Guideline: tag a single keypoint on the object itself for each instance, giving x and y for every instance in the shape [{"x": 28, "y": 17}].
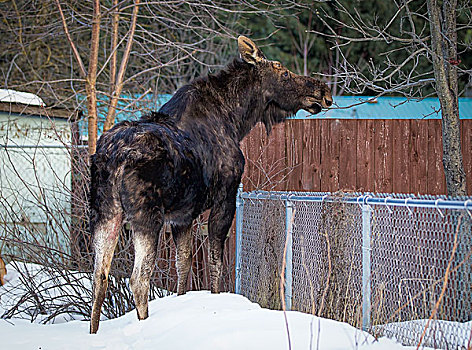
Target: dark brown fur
[{"x": 172, "y": 165}]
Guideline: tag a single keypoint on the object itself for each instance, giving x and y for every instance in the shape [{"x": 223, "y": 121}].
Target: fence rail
[{"x": 395, "y": 265}]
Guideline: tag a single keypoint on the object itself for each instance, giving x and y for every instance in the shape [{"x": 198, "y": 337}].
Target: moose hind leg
[
  {"x": 105, "y": 238},
  {"x": 145, "y": 250},
  {"x": 183, "y": 242},
  {"x": 216, "y": 262},
  {"x": 220, "y": 220}
]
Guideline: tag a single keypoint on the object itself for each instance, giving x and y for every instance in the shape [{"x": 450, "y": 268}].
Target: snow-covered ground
[{"x": 197, "y": 320}]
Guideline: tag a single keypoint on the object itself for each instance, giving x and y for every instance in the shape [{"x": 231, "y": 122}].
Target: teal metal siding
[
  {"x": 366, "y": 107},
  {"x": 346, "y": 107}
]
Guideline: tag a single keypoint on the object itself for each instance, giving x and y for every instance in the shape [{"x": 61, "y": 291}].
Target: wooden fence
[{"x": 374, "y": 155}]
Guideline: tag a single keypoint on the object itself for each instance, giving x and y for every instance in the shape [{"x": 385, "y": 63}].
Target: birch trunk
[{"x": 444, "y": 53}]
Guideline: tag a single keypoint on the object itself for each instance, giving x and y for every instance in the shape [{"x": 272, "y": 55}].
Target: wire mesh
[
  {"x": 264, "y": 235},
  {"x": 327, "y": 259},
  {"x": 420, "y": 265},
  {"x": 413, "y": 251}
]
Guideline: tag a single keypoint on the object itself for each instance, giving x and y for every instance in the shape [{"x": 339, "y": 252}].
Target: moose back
[{"x": 173, "y": 164}]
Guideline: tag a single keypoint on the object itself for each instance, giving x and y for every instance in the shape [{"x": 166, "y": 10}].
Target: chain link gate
[{"x": 394, "y": 265}]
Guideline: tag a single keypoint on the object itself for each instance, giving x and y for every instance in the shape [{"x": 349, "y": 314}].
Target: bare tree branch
[{"x": 69, "y": 39}]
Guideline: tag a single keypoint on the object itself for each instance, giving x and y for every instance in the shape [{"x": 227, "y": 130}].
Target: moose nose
[{"x": 327, "y": 101}]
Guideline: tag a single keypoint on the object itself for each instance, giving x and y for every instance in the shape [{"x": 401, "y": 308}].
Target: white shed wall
[{"x": 35, "y": 180}]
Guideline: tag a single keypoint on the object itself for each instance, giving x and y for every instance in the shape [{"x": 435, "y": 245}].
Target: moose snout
[{"x": 327, "y": 101}]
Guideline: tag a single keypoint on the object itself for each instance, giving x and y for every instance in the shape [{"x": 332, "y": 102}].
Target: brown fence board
[
  {"x": 329, "y": 155},
  {"x": 274, "y": 160},
  {"x": 264, "y": 160},
  {"x": 436, "y": 177},
  {"x": 311, "y": 175},
  {"x": 418, "y": 156},
  {"x": 383, "y": 156},
  {"x": 294, "y": 146},
  {"x": 248, "y": 167},
  {"x": 401, "y": 147},
  {"x": 253, "y": 155},
  {"x": 347, "y": 155},
  {"x": 365, "y": 155}
]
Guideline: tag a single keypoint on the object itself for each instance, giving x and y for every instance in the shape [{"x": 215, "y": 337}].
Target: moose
[{"x": 172, "y": 165}]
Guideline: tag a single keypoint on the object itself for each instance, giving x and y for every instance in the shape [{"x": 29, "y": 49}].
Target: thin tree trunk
[
  {"x": 90, "y": 76},
  {"x": 114, "y": 44},
  {"x": 91, "y": 81},
  {"x": 444, "y": 53},
  {"x": 110, "y": 118}
]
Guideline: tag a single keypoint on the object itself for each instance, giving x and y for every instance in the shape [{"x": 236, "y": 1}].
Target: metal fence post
[
  {"x": 289, "y": 209},
  {"x": 239, "y": 231},
  {"x": 366, "y": 265}
]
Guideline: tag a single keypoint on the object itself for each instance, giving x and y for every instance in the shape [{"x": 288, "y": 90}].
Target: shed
[{"x": 35, "y": 174}]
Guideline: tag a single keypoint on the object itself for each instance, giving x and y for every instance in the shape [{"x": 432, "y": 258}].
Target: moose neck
[
  {"x": 231, "y": 101},
  {"x": 245, "y": 101}
]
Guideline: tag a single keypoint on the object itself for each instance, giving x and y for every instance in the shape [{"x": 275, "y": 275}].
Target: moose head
[{"x": 284, "y": 89}]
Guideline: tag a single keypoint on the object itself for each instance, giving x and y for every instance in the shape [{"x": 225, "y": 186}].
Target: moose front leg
[
  {"x": 183, "y": 241},
  {"x": 219, "y": 223}
]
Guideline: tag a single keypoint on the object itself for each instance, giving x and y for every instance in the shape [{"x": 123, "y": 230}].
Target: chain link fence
[{"x": 395, "y": 265}]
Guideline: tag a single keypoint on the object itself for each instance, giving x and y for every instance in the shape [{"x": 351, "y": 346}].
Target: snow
[
  {"x": 25, "y": 278},
  {"x": 26, "y": 98},
  {"x": 440, "y": 334},
  {"x": 196, "y": 320}
]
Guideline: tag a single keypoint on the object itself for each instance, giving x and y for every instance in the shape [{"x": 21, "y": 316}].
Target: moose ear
[{"x": 249, "y": 51}]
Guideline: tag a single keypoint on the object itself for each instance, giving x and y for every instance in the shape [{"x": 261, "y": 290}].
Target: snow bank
[
  {"x": 440, "y": 334},
  {"x": 26, "y": 98},
  {"x": 197, "y": 320}
]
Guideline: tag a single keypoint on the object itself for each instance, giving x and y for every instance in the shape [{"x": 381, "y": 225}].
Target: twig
[
  {"x": 282, "y": 282},
  {"x": 72, "y": 45},
  {"x": 110, "y": 118},
  {"x": 469, "y": 343},
  {"x": 325, "y": 291}
]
